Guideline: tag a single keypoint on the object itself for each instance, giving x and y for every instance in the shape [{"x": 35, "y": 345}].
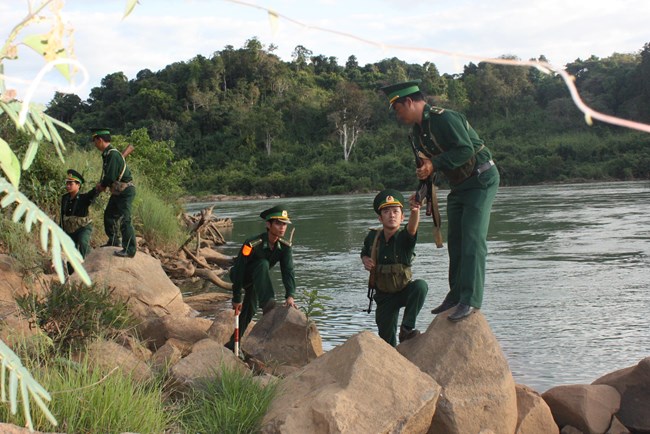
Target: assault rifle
[{"x": 427, "y": 191}]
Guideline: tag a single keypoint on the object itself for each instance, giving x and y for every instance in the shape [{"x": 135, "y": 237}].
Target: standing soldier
[
  {"x": 387, "y": 254},
  {"x": 74, "y": 213},
  {"x": 116, "y": 176},
  {"x": 251, "y": 269},
  {"x": 448, "y": 143}
]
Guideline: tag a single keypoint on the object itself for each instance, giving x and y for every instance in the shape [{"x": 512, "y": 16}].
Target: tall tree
[{"x": 349, "y": 114}]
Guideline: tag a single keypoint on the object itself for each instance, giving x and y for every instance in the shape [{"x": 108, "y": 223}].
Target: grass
[
  {"x": 88, "y": 401},
  {"x": 156, "y": 220},
  {"x": 233, "y": 403}
]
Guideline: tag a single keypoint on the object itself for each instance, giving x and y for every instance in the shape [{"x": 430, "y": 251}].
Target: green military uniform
[
  {"x": 391, "y": 297},
  {"x": 456, "y": 149},
  {"x": 116, "y": 176},
  {"x": 74, "y": 214},
  {"x": 251, "y": 271}
]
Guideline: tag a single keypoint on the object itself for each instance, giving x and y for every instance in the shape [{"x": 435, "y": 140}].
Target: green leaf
[
  {"x": 9, "y": 163},
  {"x": 32, "y": 149},
  {"x": 37, "y": 43}
]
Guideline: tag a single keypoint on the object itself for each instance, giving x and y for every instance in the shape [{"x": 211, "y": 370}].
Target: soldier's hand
[
  {"x": 424, "y": 171},
  {"x": 290, "y": 302},
  {"x": 414, "y": 204},
  {"x": 237, "y": 308},
  {"x": 368, "y": 263}
]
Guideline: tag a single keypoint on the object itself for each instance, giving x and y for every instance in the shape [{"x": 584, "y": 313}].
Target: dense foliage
[{"x": 252, "y": 123}]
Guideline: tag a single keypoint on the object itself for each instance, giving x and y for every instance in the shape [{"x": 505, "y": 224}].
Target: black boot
[
  {"x": 462, "y": 311},
  {"x": 447, "y": 304}
]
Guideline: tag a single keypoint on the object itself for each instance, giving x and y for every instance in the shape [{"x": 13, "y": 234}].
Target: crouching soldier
[
  {"x": 74, "y": 213},
  {"x": 387, "y": 254},
  {"x": 251, "y": 270}
]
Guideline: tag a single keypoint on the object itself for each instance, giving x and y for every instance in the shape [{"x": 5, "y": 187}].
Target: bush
[{"x": 70, "y": 314}]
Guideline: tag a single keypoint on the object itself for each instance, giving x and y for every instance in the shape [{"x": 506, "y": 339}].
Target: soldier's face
[
  {"x": 276, "y": 227},
  {"x": 391, "y": 217},
  {"x": 72, "y": 187},
  {"x": 404, "y": 111}
]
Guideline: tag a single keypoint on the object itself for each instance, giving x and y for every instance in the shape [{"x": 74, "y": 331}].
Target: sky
[{"x": 160, "y": 32}]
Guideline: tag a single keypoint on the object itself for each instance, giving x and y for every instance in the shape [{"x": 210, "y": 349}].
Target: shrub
[{"x": 71, "y": 313}]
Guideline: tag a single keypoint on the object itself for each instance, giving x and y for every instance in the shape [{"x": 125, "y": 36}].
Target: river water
[{"x": 566, "y": 294}]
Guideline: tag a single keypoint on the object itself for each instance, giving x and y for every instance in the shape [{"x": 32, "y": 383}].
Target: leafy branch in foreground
[
  {"x": 60, "y": 241},
  {"x": 20, "y": 378}
]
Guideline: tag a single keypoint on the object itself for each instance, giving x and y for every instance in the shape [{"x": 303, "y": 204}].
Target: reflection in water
[{"x": 566, "y": 288}]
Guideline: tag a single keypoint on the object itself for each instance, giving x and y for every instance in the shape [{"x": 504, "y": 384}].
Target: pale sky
[{"x": 162, "y": 32}]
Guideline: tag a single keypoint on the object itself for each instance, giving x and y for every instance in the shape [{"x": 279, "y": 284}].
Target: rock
[
  {"x": 140, "y": 281},
  {"x": 108, "y": 355},
  {"x": 157, "y": 331},
  {"x": 617, "y": 427},
  {"x": 284, "y": 336},
  {"x": 223, "y": 326},
  {"x": 204, "y": 363},
  {"x": 633, "y": 384},
  {"x": 587, "y": 407},
  {"x": 533, "y": 414},
  {"x": 12, "y": 284},
  {"x": 361, "y": 386},
  {"x": 466, "y": 360},
  {"x": 166, "y": 356}
]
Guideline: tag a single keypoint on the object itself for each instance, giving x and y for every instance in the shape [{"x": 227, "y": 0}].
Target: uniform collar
[{"x": 107, "y": 150}]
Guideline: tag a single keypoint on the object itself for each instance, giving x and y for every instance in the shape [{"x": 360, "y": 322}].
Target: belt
[{"x": 483, "y": 167}]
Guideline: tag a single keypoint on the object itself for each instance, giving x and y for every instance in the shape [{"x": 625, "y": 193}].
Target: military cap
[
  {"x": 276, "y": 213},
  {"x": 100, "y": 132},
  {"x": 73, "y": 175},
  {"x": 388, "y": 197},
  {"x": 399, "y": 90}
]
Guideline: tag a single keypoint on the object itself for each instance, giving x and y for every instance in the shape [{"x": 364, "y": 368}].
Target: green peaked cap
[
  {"x": 73, "y": 175},
  {"x": 388, "y": 197},
  {"x": 399, "y": 90},
  {"x": 100, "y": 132},
  {"x": 277, "y": 212}
]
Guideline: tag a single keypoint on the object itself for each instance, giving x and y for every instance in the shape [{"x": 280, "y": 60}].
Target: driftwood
[{"x": 202, "y": 261}]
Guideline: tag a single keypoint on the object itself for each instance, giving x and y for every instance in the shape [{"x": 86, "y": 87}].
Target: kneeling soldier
[
  {"x": 251, "y": 270},
  {"x": 74, "y": 213},
  {"x": 387, "y": 254}
]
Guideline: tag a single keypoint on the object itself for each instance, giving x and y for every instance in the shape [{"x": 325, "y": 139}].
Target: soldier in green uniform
[
  {"x": 387, "y": 254},
  {"x": 74, "y": 213},
  {"x": 251, "y": 269},
  {"x": 448, "y": 143},
  {"x": 116, "y": 177}
]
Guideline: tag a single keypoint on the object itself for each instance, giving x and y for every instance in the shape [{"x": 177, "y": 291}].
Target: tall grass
[
  {"x": 233, "y": 404},
  {"x": 156, "y": 220},
  {"x": 88, "y": 401}
]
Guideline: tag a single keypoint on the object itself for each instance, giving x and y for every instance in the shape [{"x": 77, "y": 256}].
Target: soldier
[
  {"x": 74, "y": 213},
  {"x": 251, "y": 269},
  {"x": 447, "y": 142},
  {"x": 116, "y": 176},
  {"x": 387, "y": 253}
]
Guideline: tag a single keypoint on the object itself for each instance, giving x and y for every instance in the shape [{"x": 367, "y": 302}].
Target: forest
[{"x": 247, "y": 122}]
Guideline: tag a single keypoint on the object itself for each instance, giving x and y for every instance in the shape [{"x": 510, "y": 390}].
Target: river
[{"x": 566, "y": 290}]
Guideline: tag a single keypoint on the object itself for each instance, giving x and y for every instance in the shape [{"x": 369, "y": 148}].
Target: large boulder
[
  {"x": 587, "y": 407},
  {"x": 466, "y": 360},
  {"x": 140, "y": 280},
  {"x": 633, "y": 384},
  {"x": 533, "y": 414},
  {"x": 361, "y": 386},
  {"x": 223, "y": 326},
  {"x": 284, "y": 336}
]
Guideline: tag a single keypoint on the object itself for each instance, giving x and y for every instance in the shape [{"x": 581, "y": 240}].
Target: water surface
[{"x": 566, "y": 288}]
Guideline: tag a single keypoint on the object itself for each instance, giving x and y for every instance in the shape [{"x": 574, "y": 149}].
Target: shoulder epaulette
[
  {"x": 437, "y": 110},
  {"x": 285, "y": 242},
  {"x": 247, "y": 248}
]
